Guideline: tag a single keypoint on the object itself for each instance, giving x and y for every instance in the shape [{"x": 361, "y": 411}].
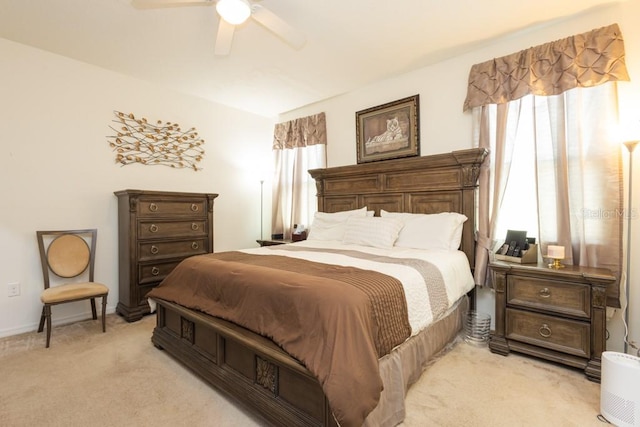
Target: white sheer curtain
[
  {"x": 299, "y": 145},
  {"x": 579, "y": 176},
  {"x": 490, "y": 132},
  {"x": 556, "y": 173}
]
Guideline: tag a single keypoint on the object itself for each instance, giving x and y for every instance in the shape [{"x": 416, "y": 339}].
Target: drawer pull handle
[
  {"x": 155, "y": 271},
  {"x": 194, "y": 245},
  {"x": 154, "y": 249},
  {"x": 194, "y": 207},
  {"x": 153, "y": 228},
  {"x": 545, "y": 293},
  {"x": 545, "y": 331},
  {"x": 153, "y": 207},
  {"x": 194, "y": 226}
]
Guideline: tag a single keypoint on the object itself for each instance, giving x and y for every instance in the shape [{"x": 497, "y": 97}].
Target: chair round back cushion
[{"x": 68, "y": 255}]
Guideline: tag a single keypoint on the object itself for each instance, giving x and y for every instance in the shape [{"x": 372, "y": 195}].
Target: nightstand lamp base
[{"x": 556, "y": 263}]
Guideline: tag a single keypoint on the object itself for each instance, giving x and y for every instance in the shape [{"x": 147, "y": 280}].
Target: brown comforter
[{"x": 336, "y": 320}]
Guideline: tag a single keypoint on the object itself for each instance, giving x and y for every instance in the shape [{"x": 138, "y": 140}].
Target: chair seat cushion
[{"x": 73, "y": 291}]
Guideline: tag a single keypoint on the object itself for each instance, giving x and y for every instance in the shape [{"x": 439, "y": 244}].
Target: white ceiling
[{"x": 350, "y": 43}]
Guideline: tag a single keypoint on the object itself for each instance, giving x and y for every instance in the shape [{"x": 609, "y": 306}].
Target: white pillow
[
  {"x": 331, "y": 226},
  {"x": 429, "y": 231},
  {"x": 372, "y": 231}
]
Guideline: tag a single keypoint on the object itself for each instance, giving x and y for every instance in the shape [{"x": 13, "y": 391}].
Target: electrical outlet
[{"x": 13, "y": 289}]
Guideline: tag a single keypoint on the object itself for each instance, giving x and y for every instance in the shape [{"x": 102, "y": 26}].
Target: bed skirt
[{"x": 404, "y": 365}]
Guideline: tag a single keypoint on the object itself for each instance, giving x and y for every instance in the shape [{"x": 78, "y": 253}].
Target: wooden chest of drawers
[
  {"x": 555, "y": 314},
  {"x": 157, "y": 230}
]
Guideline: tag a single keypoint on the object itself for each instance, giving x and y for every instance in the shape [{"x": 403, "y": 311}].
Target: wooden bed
[{"x": 256, "y": 372}]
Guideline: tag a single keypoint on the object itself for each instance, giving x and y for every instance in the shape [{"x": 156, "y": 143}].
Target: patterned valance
[
  {"x": 584, "y": 60},
  {"x": 301, "y": 132}
]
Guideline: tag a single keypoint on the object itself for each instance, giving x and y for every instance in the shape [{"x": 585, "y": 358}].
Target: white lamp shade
[{"x": 235, "y": 12}]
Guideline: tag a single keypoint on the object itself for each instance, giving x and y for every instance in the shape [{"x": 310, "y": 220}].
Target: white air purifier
[{"x": 620, "y": 389}]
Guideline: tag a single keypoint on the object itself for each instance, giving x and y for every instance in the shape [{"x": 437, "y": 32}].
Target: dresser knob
[
  {"x": 153, "y": 228},
  {"x": 194, "y": 207},
  {"x": 155, "y": 271},
  {"x": 154, "y": 249},
  {"x": 153, "y": 207},
  {"x": 194, "y": 245},
  {"x": 545, "y": 293},
  {"x": 194, "y": 226},
  {"x": 545, "y": 330}
]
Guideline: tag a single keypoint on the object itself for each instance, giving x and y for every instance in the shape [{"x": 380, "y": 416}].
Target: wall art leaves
[{"x": 160, "y": 143}]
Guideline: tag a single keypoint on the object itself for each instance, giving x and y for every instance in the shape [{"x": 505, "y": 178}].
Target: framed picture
[{"x": 388, "y": 131}]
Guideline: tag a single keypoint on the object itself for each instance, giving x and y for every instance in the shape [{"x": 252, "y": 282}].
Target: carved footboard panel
[{"x": 240, "y": 364}]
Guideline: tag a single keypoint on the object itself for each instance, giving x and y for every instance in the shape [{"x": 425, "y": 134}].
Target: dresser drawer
[
  {"x": 154, "y": 273},
  {"x": 163, "y": 229},
  {"x": 154, "y": 207},
  {"x": 571, "y": 299},
  {"x": 563, "y": 335},
  {"x": 172, "y": 249},
  {"x": 142, "y": 295}
]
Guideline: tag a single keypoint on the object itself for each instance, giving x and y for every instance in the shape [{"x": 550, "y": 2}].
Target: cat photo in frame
[{"x": 388, "y": 131}]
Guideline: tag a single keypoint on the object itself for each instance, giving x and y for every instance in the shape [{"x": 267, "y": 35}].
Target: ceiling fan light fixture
[{"x": 235, "y": 12}]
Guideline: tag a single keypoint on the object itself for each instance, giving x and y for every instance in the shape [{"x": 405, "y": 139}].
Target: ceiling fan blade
[
  {"x": 149, "y": 4},
  {"x": 224, "y": 38},
  {"x": 276, "y": 25}
]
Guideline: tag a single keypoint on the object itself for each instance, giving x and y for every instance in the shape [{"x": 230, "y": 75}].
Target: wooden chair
[{"x": 67, "y": 254}]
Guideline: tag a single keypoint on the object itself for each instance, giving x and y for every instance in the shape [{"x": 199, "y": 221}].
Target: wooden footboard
[{"x": 241, "y": 364}]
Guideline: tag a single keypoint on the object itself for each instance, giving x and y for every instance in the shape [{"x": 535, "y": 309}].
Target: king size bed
[{"x": 333, "y": 330}]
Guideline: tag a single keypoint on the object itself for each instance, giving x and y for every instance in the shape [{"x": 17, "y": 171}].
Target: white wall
[
  {"x": 444, "y": 127},
  {"x": 57, "y": 170}
]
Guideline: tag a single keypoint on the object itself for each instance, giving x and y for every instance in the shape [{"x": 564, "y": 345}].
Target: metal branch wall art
[{"x": 138, "y": 141}]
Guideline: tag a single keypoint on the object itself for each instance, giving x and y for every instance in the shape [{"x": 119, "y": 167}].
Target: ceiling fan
[{"x": 232, "y": 13}]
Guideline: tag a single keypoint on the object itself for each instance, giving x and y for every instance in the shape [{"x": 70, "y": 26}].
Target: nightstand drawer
[
  {"x": 571, "y": 299},
  {"x": 563, "y": 335}
]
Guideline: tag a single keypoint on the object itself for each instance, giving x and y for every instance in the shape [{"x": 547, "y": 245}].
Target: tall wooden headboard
[{"x": 426, "y": 184}]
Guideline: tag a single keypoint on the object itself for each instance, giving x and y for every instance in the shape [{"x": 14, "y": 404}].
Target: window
[
  {"x": 299, "y": 145},
  {"x": 559, "y": 168}
]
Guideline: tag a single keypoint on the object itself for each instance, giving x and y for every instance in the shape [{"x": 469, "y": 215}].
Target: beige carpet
[{"x": 119, "y": 378}]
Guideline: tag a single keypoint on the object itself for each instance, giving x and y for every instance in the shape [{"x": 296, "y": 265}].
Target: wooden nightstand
[
  {"x": 273, "y": 242},
  {"x": 555, "y": 314}
]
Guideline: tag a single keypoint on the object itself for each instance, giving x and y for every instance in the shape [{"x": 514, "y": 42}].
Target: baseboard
[{"x": 56, "y": 322}]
